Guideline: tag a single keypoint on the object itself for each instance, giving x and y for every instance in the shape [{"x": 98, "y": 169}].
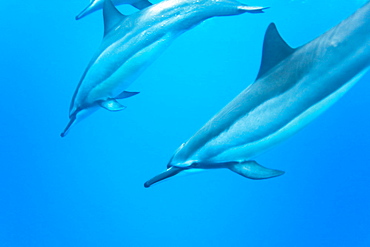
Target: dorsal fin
[
  {"x": 275, "y": 49},
  {"x": 111, "y": 16},
  {"x": 141, "y": 4}
]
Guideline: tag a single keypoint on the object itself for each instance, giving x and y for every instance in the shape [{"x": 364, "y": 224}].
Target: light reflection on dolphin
[
  {"x": 132, "y": 42},
  {"x": 292, "y": 88},
  {"x": 95, "y": 5}
]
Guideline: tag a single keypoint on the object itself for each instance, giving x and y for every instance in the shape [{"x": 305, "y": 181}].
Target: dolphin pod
[
  {"x": 292, "y": 88},
  {"x": 132, "y": 42}
]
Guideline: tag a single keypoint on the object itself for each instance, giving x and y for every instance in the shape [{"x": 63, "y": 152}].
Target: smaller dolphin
[
  {"x": 293, "y": 87},
  {"x": 131, "y": 43},
  {"x": 98, "y": 4}
]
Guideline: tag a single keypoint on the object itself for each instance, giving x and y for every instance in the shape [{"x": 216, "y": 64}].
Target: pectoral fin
[
  {"x": 253, "y": 170},
  {"x": 112, "y": 105},
  {"x": 126, "y": 94}
]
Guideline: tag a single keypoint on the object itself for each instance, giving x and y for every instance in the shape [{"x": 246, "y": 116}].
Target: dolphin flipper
[
  {"x": 112, "y": 105},
  {"x": 251, "y": 169},
  {"x": 126, "y": 94}
]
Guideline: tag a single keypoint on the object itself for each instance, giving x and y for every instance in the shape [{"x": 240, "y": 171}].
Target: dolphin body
[
  {"x": 292, "y": 88},
  {"x": 95, "y": 5},
  {"x": 132, "y": 42}
]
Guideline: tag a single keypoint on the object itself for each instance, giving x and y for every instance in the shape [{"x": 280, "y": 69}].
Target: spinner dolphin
[
  {"x": 132, "y": 42},
  {"x": 292, "y": 88}
]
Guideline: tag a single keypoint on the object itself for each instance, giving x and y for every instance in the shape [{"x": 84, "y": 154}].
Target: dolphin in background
[
  {"x": 292, "y": 88},
  {"x": 132, "y": 42},
  {"x": 95, "y": 5}
]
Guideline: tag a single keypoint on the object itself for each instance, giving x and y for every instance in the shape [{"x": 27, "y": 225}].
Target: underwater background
[{"x": 87, "y": 189}]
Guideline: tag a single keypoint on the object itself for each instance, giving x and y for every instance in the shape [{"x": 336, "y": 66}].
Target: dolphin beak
[
  {"x": 172, "y": 171},
  {"x": 70, "y": 123},
  {"x": 252, "y": 9},
  {"x": 88, "y": 10}
]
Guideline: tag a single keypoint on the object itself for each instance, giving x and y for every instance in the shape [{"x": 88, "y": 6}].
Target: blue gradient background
[{"x": 87, "y": 188}]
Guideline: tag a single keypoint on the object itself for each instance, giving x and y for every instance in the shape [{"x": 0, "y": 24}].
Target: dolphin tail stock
[
  {"x": 72, "y": 119},
  {"x": 251, "y": 169},
  {"x": 252, "y": 9},
  {"x": 172, "y": 171}
]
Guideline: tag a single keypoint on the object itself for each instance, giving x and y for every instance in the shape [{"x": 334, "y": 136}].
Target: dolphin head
[
  {"x": 76, "y": 115},
  {"x": 170, "y": 172},
  {"x": 176, "y": 167}
]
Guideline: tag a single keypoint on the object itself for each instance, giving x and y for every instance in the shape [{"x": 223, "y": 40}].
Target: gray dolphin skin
[
  {"x": 95, "y": 5},
  {"x": 292, "y": 88},
  {"x": 132, "y": 42}
]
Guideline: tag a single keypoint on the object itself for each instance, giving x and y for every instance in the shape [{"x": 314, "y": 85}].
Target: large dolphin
[
  {"x": 292, "y": 88},
  {"x": 132, "y": 42},
  {"x": 95, "y": 5}
]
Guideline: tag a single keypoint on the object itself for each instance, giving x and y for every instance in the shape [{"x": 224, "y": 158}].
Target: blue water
[{"x": 87, "y": 189}]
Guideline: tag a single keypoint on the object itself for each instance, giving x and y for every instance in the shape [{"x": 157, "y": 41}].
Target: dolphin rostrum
[
  {"x": 292, "y": 88},
  {"x": 132, "y": 42},
  {"x": 95, "y": 5}
]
